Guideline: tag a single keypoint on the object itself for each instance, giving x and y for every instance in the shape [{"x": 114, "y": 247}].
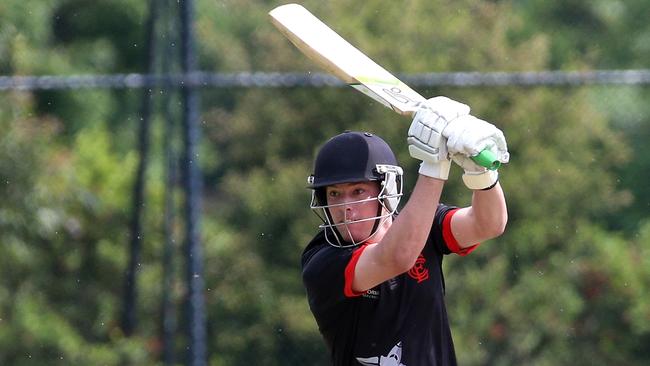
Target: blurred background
[{"x": 154, "y": 155}]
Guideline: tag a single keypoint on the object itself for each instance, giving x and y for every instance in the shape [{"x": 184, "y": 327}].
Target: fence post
[{"x": 192, "y": 186}]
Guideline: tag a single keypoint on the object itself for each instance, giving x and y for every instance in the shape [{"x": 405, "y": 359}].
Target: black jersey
[{"x": 402, "y": 321}]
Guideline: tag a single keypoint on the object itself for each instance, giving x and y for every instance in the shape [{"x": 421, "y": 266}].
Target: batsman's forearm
[
  {"x": 490, "y": 210},
  {"x": 408, "y": 234}
]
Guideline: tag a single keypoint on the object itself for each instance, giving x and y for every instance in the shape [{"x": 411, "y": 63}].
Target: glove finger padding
[
  {"x": 425, "y": 138},
  {"x": 426, "y": 143},
  {"x": 432, "y": 118},
  {"x": 469, "y": 136},
  {"x": 435, "y": 162},
  {"x": 446, "y": 108}
]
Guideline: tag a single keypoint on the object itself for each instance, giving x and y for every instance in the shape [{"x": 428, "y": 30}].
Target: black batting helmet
[{"x": 353, "y": 157}]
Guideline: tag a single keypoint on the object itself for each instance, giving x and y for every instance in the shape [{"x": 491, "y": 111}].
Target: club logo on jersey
[
  {"x": 419, "y": 272},
  {"x": 394, "y": 358}
]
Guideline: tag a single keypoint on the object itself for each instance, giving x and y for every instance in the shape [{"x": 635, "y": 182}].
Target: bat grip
[{"x": 487, "y": 159}]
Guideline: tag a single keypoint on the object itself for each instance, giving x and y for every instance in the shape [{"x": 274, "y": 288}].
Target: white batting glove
[
  {"x": 426, "y": 138},
  {"x": 467, "y": 136}
]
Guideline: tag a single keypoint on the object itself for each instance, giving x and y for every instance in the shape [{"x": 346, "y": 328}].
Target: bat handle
[{"x": 487, "y": 159}]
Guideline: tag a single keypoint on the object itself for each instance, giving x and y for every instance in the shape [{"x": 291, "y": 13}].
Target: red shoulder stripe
[{"x": 349, "y": 273}]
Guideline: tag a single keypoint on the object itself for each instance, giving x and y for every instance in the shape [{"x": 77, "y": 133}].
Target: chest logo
[{"x": 419, "y": 272}]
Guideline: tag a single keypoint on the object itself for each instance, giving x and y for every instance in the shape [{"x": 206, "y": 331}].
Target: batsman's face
[{"x": 353, "y": 207}]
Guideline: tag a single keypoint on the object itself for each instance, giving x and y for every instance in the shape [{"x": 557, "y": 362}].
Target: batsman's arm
[
  {"x": 485, "y": 219},
  {"x": 403, "y": 242}
]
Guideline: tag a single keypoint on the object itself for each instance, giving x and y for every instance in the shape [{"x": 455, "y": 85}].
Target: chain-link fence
[{"x": 278, "y": 80}]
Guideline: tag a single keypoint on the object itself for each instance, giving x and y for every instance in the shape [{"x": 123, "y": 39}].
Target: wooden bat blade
[{"x": 333, "y": 53}]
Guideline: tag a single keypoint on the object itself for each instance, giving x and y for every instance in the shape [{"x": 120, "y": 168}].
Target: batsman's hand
[
  {"x": 467, "y": 136},
  {"x": 426, "y": 138}
]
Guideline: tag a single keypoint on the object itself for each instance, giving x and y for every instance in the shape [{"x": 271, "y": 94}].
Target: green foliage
[
  {"x": 58, "y": 293},
  {"x": 619, "y": 27},
  {"x": 567, "y": 282}
]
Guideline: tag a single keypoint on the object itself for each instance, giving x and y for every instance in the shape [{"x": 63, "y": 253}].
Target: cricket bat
[{"x": 333, "y": 53}]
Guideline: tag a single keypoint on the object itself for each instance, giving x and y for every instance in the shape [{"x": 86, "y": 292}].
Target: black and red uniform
[{"x": 402, "y": 321}]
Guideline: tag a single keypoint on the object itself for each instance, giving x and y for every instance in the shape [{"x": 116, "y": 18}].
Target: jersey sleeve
[{"x": 441, "y": 236}]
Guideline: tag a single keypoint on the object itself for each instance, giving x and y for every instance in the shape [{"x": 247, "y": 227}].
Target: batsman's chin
[{"x": 353, "y": 233}]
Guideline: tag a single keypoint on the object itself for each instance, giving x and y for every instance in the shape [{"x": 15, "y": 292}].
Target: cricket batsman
[{"x": 373, "y": 275}]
